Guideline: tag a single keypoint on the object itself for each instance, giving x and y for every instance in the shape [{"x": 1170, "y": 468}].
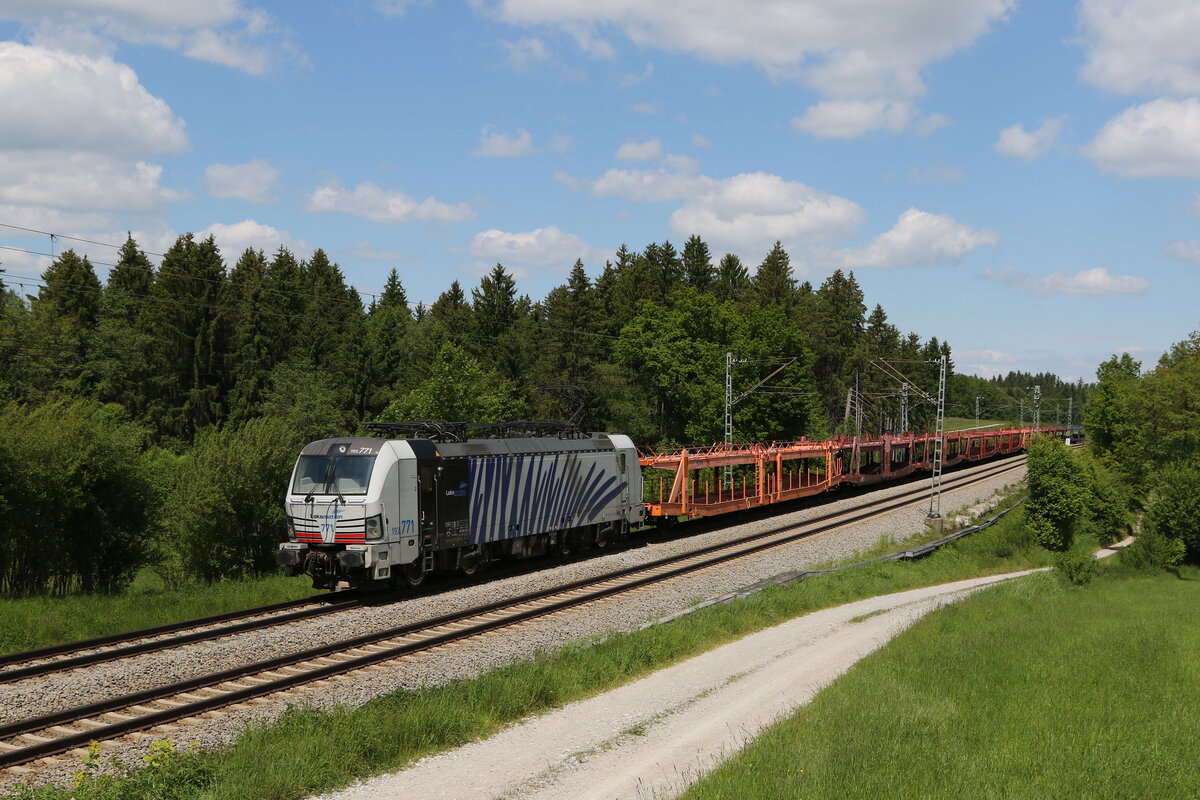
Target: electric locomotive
[{"x": 370, "y": 510}]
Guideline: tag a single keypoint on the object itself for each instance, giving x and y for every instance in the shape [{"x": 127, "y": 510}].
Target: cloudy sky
[{"x": 1021, "y": 178}]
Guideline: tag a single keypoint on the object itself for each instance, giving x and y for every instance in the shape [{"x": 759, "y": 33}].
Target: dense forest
[{"x": 152, "y": 417}]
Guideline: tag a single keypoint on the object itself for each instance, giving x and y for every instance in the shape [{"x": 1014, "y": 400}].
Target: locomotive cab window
[{"x": 333, "y": 474}]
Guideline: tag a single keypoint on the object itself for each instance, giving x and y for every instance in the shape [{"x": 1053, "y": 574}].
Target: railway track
[
  {"x": 167, "y": 708},
  {"x": 72, "y": 655}
]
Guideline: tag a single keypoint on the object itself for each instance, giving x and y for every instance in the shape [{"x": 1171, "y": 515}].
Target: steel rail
[
  {"x": 321, "y": 605},
  {"x": 522, "y": 608}
]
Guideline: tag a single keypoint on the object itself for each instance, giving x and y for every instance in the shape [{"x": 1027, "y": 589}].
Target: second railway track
[{"x": 165, "y": 708}]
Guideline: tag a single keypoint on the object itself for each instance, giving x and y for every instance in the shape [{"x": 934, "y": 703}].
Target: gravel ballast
[{"x": 467, "y": 659}]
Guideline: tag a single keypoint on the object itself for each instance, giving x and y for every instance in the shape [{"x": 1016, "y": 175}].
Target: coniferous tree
[
  {"x": 63, "y": 321},
  {"x": 667, "y": 266},
  {"x": 190, "y": 324},
  {"x": 388, "y": 326},
  {"x": 253, "y": 348},
  {"x": 697, "y": 264},
  {"x": 733, "y": 279},
  {"x": 570, "y": 350},
  {"x": 840, "y": 316},
  {"x": 773, "y": 283},
  {"x": 493, "y": 307},
  {"x": 124, "y": 342}
]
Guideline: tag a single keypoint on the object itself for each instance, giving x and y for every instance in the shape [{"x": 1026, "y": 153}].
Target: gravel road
[
  {"x": 40, "y": 695},
  {"x": 655, "y": 737}
]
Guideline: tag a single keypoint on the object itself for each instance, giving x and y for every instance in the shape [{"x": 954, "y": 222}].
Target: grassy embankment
[
  {"x": 41, "y": 621},
  {"x": 311, "y": 751},
  {"x": 1029, "y": 689}
]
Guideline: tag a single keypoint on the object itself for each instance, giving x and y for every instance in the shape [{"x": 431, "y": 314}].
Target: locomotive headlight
[
  {"x": 291, "y": 530},
  {"x": 375, "y": 527}
]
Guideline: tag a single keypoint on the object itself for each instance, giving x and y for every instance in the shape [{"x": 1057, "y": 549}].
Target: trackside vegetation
[
  {"x": 28, "y": 623},
  {"x": 1027, "y": 689},
  {"x": 309, "y": 751},
  {"x": 134, "y": 409}
]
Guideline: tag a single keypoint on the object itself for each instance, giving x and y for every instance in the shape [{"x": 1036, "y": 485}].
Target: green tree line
[{"x": 151, "y": 418}]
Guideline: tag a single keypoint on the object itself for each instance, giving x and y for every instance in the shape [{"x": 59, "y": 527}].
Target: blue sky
[{"x": 1018, "y": 178}]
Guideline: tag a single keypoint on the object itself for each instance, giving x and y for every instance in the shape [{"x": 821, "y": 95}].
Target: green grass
[
  {"x": 1028, "y": 689},
  {"x": 310, "y": 751},
  {"x": 41, "y": 621}
]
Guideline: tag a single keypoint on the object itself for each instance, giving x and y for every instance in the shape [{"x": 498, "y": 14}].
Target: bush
[
  {"x": 1076, "y": 566},
  {"x": 1152, "y": 551},
  {"x": 1058, "y": 493},
  {"x": 1174, "y": 510},
  {"x": 75, "y": 498},
  {"x": 224, "y": 516}
]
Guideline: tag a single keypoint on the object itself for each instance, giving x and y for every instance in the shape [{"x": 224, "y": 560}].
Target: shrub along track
[{"x": 164, "y": 709}]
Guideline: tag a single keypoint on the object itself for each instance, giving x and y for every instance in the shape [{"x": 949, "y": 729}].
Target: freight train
[
  {"x": 424, "y": 497},
  {"x": 374, "y": 510}
]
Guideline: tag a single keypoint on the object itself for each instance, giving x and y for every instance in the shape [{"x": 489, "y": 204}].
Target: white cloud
[
  {"x": 743, "y": 212},
  {"x": 1159, "y": 139},
  {"x": 1094, "y": 281},
  {"x": 56, "y": 100},
  {"x": 648, "y": 150},
  {"x": 561, "y": 143},
  {"x": 1141, "y": 46},
  {"x": 89, "y": 182},
  {"x": 644, "y": 108},
  {"x": 850, "y": 119},
  {"x": 985, "y": 356},
  {"x": 152, "y": 13},
  {"x": 373, "y": 202},
  {"x": 588, "y": 43},
  {"x": 1183, "y": 251},
  {"x": 526, "y": 53},
  {"x": 494, "y": 144},
  {"x": 253, "y": 181},
  {"x": 392, "y": 8},
  {"x": 871, "y": 50},
  {"x": 1016, "y": 142},
  {"x": 918, "y": 239},
  {"x": 848, "y": 45},
  {"x": 544, "y": 248},
  {"x": 699, "y": 141},
  {"x": 629, "y": 79},
  {"x": 234, "y": 239},
  {"x": 225, "y": 48},
  {"x": 222, "y": 32},
  {"x": 681, "y": 163}
]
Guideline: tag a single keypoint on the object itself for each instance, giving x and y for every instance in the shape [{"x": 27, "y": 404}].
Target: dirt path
[{"x": 654, "y": 737}]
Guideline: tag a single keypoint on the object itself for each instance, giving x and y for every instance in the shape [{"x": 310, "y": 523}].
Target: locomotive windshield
[{"x": 333, "y": 474}]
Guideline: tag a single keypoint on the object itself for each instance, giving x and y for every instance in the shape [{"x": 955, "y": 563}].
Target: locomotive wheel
[
  {"x": 564, "y": 545},
  {"x": 414, "y": 576},
  {"x": 602, "y": 538}
]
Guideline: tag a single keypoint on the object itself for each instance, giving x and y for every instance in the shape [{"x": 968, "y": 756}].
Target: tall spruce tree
[
  {"x": 388, "y": 326},
  {"x": 733, "y": 279},
  {"x": 840, "y": 315},
  {"x": 697, "y": 264},
  {"x": 773, "y": 283},
  {"x": 254, "y": 325},
  {"x": 189, "y": 351},
  {"x": 124, "y": 341},
  {"x": 63, "y": 322}
]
